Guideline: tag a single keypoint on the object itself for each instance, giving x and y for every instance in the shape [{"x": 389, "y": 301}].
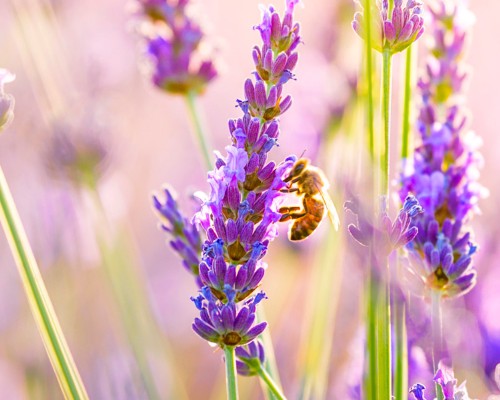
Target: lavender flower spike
[
  {"x": 241, "y": 212},
  {"x": 393, "y": 32},
  {"x": 6, "y": 100},
  {"x": 172, "y": 44},
  {"x": 445, "y": 165}
]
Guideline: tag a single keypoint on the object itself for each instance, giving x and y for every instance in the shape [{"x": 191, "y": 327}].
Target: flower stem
[
  {"x": 38, "y": 298},
  {"x": 271, "y": 384},
  {"x": 371, "y": 392},
  {"x": 369, "y": 79},
  {"x": 384, "y": 372},
  {"x": 386, "y": 114},
  {"x": 200, "y": 134},
  {"x": 401, "y": 367},
  {"x": 437, "y": 336},
  {"x": 405, "y": 145},
  {"x": 231, "y": 383}
]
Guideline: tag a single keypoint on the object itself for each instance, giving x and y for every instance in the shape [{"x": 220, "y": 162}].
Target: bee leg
[
  {"x": 289, "y": 190},
  {"x": 289, "y": 213}
]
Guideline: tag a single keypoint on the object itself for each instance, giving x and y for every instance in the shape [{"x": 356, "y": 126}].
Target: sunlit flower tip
[
  {"x": 395, "y": 32},
  {"x": 418, "y": 391},
  {"x": 250, "y": 358},
  {"x": 224, "y": 323},
  {"x": 445, "y": 378},
  {"x": 6, "y": 100}
]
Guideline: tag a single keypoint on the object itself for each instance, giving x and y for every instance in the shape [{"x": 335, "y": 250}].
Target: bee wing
[{"x": 330, "y": 208}]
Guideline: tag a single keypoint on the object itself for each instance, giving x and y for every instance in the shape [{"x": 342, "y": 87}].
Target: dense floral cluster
[
  {"x": 241, "y": 212},
  {"x": 173, "y": 44},
  {"x": 444, "y": 169},
  {"x": 395, "y": 30}
]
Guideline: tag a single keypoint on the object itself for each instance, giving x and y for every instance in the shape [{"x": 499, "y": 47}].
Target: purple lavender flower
[
  {"x": 223, "y": 323},
  {"x": 395, "y": 32},
  {"x": 6, "y": 100},
  {"x": 385, "y": 236},
  {"x": 186, "y": 239},
  {"x": 444, "y": 169},
  {"x": 173, "y": 41},
  {"x": 250, "y": 358},
  {"x": 240, "y": 214}
]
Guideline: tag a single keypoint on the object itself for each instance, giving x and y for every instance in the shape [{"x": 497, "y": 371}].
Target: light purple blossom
[
  {"x": 394, "y": 32},
  {"x": 172, "y": 44}
]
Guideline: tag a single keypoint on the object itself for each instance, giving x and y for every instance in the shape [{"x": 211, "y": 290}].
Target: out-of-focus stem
[
  {"x": 38, "y": 298},
  {"x": 401, "y": 356},
  {"x": 384, "y": 372},
  {"x": 386, "y": 115},
  {"x": 369, "y": 78},
  {"x": 437, "y": 336},
  {"x": 372, "y": 298},
  {"x": 231, "y": 383},
  {"x": 405, "y": 143},
  {"x": 200, "y": 133},
  {"x": 271, "y": 385}
]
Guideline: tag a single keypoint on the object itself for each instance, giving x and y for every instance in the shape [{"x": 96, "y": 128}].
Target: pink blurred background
[{"x": 91, "y": 72}]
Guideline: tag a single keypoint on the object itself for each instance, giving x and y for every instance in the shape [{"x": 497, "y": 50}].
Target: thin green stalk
[
  {"x": 437, "y": 336},
  {"x": 401, "y": 356},
  {"x": 231, "y": 383},
  {"x": 369, "y": 78},
  {"x": 200, "y": 133},
  {"x": 384, "y": 372},
  {"x": 405, "y": 144},
  {"x": 372, "y": 298},
  {"x": 386, "y": 115},
  {"x": 38, "y": 298},
  {"x": 271, "y": 384}
]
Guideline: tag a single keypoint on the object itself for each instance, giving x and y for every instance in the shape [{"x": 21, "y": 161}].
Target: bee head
[{"x": 299, "y": 167}]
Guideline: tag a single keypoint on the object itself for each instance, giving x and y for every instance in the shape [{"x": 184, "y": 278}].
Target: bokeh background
[{"x": 82, "y": 79}]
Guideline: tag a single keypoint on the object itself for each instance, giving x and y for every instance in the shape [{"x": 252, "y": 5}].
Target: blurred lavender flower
[
  {"x": 173, "y": 45},
  {"x": 240, "y": 214},
  {"x": 446, "y": 379},
  {"x": 395, "y": 32},
  {"x": 186, "y": 239},
  {"x": 385, "y": 236},
  {"x": 250, "y": 358},
  {"x": 444, "y": 170},
  {"x": 6, "y": 100}
]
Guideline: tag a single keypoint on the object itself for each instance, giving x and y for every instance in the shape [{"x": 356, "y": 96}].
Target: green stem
[
  {"x": 386, "y": 114},
  {"x": 401, "y": 368},
  {"x": 201, "y": 137},
  {"x": 271, "y": 384},
  {"x": 369, "y": 78},
  {"x": 371, "y": 392},
  {"x": 437, "y": 336},
  {"x": 384, "y": 339},
  {"x": 405, "y": 145},
  {"x": 38, "y": 298},
  {"x": 231, "y": 383}
]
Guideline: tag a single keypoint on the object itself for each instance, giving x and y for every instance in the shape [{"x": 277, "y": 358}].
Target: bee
[{"x": 310, "y": 184}]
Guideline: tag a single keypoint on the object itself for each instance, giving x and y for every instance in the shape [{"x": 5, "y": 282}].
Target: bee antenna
[{"x": 304, "y": 152}]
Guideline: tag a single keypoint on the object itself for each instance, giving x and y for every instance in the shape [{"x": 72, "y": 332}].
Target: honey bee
[{"x": 310, "y": 184}]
